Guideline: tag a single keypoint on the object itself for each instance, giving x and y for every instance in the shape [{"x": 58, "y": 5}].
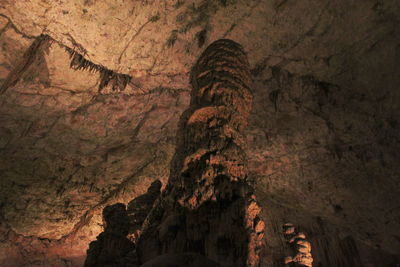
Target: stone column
[{"x": 208, "y": 206}]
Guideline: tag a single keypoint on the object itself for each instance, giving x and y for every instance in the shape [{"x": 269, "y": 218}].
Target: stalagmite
[
  {"x": 300, "y": 245},
  {"x": 208, "y": 206}
]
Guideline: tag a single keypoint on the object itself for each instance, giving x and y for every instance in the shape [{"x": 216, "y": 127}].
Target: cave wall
[{"x": 323, "y": 142}]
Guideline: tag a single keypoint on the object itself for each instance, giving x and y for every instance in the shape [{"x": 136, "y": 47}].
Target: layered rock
[{"x": 208, "y": 206}]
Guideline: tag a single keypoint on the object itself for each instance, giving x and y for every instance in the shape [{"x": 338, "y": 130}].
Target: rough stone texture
[
  {"x": 323, "y": 134},
  {"x": 301, "y": 247},
  {"x": 112, "y": 247},
  {"x": 139, "y": 208},
  {"x": 60, "y": 166},
  {"x": 208, "y": 206}
]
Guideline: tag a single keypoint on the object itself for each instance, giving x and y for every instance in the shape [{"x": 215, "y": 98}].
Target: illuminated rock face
[
  {"x": 322, "y": 136},
  {"x": 209, "y": 206},
  {"x": 301, "y": 247}
]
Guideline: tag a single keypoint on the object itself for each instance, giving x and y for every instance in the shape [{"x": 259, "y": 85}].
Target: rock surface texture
[
  {"x": 140, "y": 207},
  {"x": 323, "y": 133},
  {"x": 112, "y": 247},
  {"x": 301, "y": 247},
  {"x": 208, "y": 206}
]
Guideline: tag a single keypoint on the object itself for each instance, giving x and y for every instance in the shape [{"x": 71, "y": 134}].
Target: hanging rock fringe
[{"x": 118, "y": 81}]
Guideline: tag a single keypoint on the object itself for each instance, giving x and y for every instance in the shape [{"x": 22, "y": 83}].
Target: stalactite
[{"x": 117, "y": 81}]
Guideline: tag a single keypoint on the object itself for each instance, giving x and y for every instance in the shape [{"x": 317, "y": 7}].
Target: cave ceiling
[{"x": 323, "y": 135}]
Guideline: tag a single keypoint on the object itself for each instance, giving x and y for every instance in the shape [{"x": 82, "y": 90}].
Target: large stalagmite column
[{"x": 208, "y": 206}]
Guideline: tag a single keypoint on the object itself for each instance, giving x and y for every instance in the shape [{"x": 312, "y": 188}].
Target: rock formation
[
  {"x": 112, "y": 247},
  {"x": 209, "y": 206},
  {"x": 301, "y": 247},
  {"x": 115, "y": 246},
  {"x": 140, "y": 207},
  {"x": 323, "y": 134}
]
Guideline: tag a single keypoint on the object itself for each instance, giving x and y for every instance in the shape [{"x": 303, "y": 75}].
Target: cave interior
[{"x": 200, "y": 133}]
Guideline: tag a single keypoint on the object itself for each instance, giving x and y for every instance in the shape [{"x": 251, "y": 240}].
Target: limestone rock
[
  {"x": 208, "y": 206},
  {"x": 322, "y": 135}
]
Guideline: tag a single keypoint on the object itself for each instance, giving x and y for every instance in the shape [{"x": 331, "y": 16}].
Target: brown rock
[
  {"x": 322, "y": 137},
  {"x": 208, "y": 206},
  {"x": 112, "y": 247},
  {"x": 140, "y": 207}
]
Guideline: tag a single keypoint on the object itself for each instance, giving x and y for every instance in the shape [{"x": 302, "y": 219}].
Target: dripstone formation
[
  {"x": 208, "y": 214},
  {"x": 208, "y": 206},
  {"x": 300, "y": 246}
]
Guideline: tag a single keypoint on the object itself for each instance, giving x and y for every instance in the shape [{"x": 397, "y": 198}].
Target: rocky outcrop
[
  {"x": 112, "y": 247},
  {"x": 115, "y": 246},
  {"x": 139, "y": 208},
  {"x": 208, "y": 206}
]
